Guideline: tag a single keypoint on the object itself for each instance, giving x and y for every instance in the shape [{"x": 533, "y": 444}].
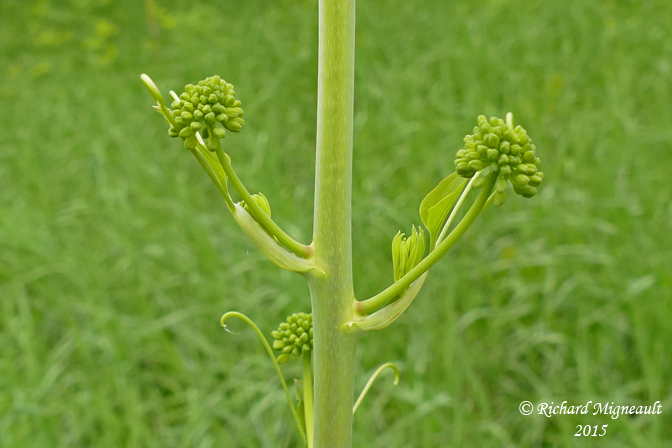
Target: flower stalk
[{"x": 494, "y": 155}]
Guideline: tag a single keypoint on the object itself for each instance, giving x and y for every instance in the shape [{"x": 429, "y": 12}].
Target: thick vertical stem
[
  {"x": 332, "y": 292},
  {"x": 308, "y": 397}
]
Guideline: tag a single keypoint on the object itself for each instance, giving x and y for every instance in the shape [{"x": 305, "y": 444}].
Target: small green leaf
[{"x": 436, "y": 206}]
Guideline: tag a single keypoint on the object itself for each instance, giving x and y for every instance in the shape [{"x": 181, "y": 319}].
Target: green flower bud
[
  {"x": 219, "y": 132},
  {"x": 212, "y": 143},
  {"x": 525, "y": 191},
  {"x": 495, "y": 143},
  {"x": 492, "y": 140},
  {"x": 292, "y": 337},
  {"x": 521, "y": 179},
  {"x": 476, "y": 165},
  {"x": 261, "y": 200},
  {"x": 536, "y": 179},
  {"x": 463, "y": 170},
  {"x": 211, "y": 101},
  {"x": 501, "y": 184},
  {"x": 186, "y": 132},
  {"x": 234, "y": 124},
  {"x": 407, "y": 252},
  {"x": 191, "y": 142}
]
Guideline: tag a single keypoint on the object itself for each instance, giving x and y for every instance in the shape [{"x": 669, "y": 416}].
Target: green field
[{"x": 118, "y": 257}]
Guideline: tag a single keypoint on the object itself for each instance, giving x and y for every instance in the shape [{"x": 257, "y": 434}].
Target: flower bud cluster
[
  {"x": 294, "y": 337},
  {"x": 407, "y": 252},
  {"x": 507, "y": 150},
  {"x": 208, "y": 108},
  {"x": 261, "y": 200}
]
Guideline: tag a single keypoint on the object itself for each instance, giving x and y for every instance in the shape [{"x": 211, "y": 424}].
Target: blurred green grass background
[{"x": 117, "y": 257}]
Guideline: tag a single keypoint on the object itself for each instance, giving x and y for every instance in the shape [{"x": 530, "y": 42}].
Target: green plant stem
[
  {"x": 372, "y": 380},
  {"x": 221, "y": 187},
  {"x": 372, "y": 304},
  {"x": 258, "y": 213},
  {"x": 457, "y": 207},
  {"x": 308, "y": 397},
  {"x": 332, "y": 293},
  {"x": 489, "y": 201},
  {"x": 269, "y": 350}
]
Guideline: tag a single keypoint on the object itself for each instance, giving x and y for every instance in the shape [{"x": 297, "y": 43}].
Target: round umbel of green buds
[
  {"x": 509, "y": 151},
  {"x": 294, "y": 336},
  {"x": 209, "y": 107},
  {"x": 407, "y": 252},
  {"x": 261, "y": 200}
]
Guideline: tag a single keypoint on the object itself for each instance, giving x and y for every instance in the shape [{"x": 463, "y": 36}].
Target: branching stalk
[
  {"x": 372, "y": 304},
  {"x": 328, "y": 338},
  {"x": 258, "y": 213}
]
